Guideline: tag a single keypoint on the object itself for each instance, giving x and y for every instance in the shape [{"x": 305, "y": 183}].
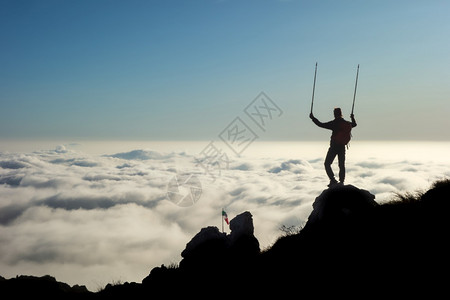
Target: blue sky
[{"x": 183, "y": 70}]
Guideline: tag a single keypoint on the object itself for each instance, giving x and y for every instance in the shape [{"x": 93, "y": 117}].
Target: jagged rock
[
  {"x": 210, "y": 247},
  {"x": 241, "y": 225},
  {"x": 338, "y": 202},
  {"x": 242, "y": 242},
  {"x": 241, "y": 228},
  {"x": 207, "y": 234},
  {"x": 205, "y": 251}
]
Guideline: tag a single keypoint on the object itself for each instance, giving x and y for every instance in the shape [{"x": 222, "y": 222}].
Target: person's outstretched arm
[{"x": 320, "y": 124}]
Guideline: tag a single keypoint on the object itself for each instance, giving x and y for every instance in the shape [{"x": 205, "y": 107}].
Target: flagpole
[{"x": 221, "y": 215}]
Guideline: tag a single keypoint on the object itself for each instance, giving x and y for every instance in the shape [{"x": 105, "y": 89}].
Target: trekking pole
[
  {"x": 356, "y": 85},
  {"x": 314, "y": 87}
]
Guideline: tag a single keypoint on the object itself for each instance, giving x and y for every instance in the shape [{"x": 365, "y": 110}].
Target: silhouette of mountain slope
[
  {"x": 395, "y": 247},
  {"x": 26, "y": 287},
  {"x": 350, "y": 246}
]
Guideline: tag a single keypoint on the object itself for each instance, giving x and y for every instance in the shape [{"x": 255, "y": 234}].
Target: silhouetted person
[{"x": 339, "y": 138}]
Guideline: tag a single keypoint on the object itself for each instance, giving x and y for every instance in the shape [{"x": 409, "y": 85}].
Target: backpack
[{"x": 343, "y": 133}]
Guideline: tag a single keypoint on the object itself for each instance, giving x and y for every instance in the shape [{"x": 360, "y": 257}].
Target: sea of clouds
[{"x": 96, "y": 218}]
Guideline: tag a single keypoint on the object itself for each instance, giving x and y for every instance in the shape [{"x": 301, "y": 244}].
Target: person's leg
[
  {"x": 341, "y": 160},
  {"x": 331, "y": 154}
]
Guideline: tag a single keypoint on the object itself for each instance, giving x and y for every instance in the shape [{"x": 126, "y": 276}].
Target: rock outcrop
[
  {"x": 336, "y": 204},
  {"x": 211, "y": 248}
]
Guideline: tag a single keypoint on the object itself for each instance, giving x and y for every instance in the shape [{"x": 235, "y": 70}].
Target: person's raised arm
[
  {"x": 314, "y": 119},
  {"x": 352, "y": 116},
  {"x": 327, "y": 125}
]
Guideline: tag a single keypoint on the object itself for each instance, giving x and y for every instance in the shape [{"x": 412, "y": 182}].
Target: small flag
[{"x": 225, "y": 217}]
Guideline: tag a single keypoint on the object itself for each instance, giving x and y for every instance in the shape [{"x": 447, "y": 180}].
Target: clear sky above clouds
[{"x": 183, "y": 70}]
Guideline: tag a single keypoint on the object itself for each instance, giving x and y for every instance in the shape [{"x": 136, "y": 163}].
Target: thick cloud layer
[{"x": 92, "y": 219}]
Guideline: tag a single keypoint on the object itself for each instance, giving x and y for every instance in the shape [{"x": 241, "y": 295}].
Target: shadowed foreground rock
[
  {"x": 213, "y": 258},
  {"x": 26, "y": 287},
  {"x": 350, "y": 246}
]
